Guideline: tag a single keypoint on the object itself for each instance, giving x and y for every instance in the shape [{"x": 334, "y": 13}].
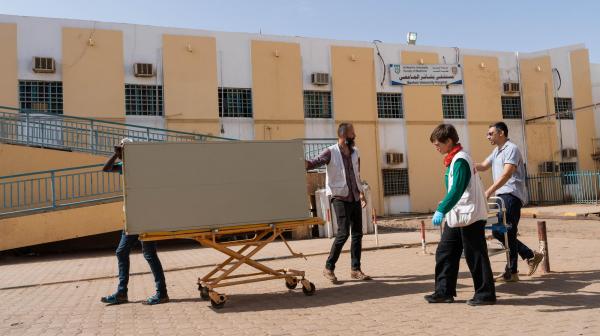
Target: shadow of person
[{"x": 563, "y": 290}]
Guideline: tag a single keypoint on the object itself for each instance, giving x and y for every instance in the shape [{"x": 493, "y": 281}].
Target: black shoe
[
  {"x": 437, "y": 298},
  {"x": 156, "y": 299},
  {"x": 114, "y": 299},
  {"x": 480, "y": 302}
]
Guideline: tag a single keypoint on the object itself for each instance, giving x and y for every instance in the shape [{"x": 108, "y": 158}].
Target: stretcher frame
[
  {"x": 496, "y": 206},
  {"x": 263, "y": 234}
]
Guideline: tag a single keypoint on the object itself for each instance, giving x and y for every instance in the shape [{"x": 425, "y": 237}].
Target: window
[
  {"x": 569, "y": 172},
  {"x": 42, "y": 96},
  {"x": 395, "y": 182},
  {"x": 564, "y": 108},
  {"x": 317, "y": 104},
  {"x": 389, "y": 105},
  {"x": 511, "y": 107},
  {"x": 235, "y": 103},
  {"x": 143, "y": 100},
  {"x": 453, "y": 106}
]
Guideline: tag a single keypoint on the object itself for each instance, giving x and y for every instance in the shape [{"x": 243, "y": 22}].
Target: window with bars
[
  {"x": 317, "y": 104},
  {"x": 453, "y": 106},
  {"x": 395, "y": 182},
  {"x": 235, "y": 103},
  {"x": 511, "y": 107},
  {"x": 564, "y": 108},
  {"x": 42, "y": 96},
  {"x": 389, "y": 105},
  {"x": 568, "y": 170},
  {"x": 143, "y": 100}
]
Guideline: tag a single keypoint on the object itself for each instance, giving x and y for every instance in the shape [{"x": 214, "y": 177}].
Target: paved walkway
[{"x": 50, "y": 296}]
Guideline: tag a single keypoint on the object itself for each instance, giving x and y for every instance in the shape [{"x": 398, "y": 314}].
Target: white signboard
[{"x": 425, "y": 74}]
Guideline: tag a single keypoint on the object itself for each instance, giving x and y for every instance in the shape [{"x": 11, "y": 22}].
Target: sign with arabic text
[{"x": 425, "y": 74}]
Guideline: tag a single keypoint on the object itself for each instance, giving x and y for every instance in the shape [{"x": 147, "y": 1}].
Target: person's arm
[
  {"x": 507, "y": 173},
  {"x": 319, "y": 161},
  {"x": 110, "y": 165},
  {"x": 485, "y": 165},
  {"x": 462, "y": 176}
]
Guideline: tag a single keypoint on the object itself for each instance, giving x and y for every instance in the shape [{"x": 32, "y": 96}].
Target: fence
[
  {"x": 58, "y": 188},
  {"x": 581, "y": 187}
]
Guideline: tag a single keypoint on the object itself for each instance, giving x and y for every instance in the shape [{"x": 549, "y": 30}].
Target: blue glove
[{"x": 437, "y": 219}]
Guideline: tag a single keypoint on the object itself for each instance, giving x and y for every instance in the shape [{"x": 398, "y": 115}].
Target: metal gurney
[{"x": 222, "y": 275}]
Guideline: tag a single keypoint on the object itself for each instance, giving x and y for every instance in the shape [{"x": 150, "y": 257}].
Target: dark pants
[
  {"x": 513, "y": 215},
  {"x": 149, "y": 251},
  {"x": 349, "y": 219},
  {"x": 471, "y": 239}
]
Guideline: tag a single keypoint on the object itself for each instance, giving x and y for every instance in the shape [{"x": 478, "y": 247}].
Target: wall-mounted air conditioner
[
  {"x": 394, "y": 158},
  {"x": 143, "y": 70},
  {"x": 319, "y": 78},
  {"x": 569, "y": 153},
  {"x": 44, "y": 65},
  {"x": 511, "y": 87}
]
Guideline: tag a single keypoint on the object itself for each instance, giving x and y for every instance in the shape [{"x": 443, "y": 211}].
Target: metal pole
[
  {"x": 27, "y": 127},
  {"x": 52, "y": 188},
  {"x": 543, "y": 238},
  {"x": 423, "y": 244},
  {"x": 374, "y": 217}
]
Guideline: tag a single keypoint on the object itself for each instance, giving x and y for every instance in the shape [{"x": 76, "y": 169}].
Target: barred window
[
  {"x": 511, "y": 107},
  {"x": 143, "y": 100},
  {"x": 235, "y": 103},
  {"x": 389, "y": 105},
  {"x": 453, "y": 106},
  {"x": 569, "y": 172},
  {"x": 395, "y": 182},
  {"x": 42, "y": 96},
  {"x": 563, "y": 108},
  {"x": 317, "y": 104}
]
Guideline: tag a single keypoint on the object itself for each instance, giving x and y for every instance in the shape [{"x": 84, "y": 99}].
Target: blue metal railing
[
  {"x": 49, "y": 130},
  {"x": 53, "y": 189},
  {"x": 580, "y": 187}
]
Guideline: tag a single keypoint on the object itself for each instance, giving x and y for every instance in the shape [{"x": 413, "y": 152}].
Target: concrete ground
[{"x": 59, "y": 295}]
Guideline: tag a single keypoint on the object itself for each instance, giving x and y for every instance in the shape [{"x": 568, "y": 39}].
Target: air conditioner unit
[
  {"x": 511, "y": 87},
  {"x": 44, "y": 65},
  {"x": 548, "y": 167},
  {"x": 394, "y": 158},
  {"x": 319, "y": 78},
  {"x": 143, "y": 70},
  {"x": 569, "y": 153}
]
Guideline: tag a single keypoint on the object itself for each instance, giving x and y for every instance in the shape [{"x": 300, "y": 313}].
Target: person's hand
[
  {"x": 437, "y": 219},
  {"x": 363, "y": 200},
  {"x": 488, "y": 194}
]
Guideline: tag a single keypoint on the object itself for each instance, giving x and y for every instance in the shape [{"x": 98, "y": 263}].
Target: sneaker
[
  {"x": 114, "y": 299},
  {"x": 507, "y": 277},
  {"x": 438, "y": 298},
  {"x": 156, "y": 299},
  {"x": 329, "y": 275},
  {"x": 480, "y": 302},
  {"x": 534, "y": 262},
  {"x": 359, "y": 275}
]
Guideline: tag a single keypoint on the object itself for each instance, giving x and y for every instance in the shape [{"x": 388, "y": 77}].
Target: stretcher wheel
[
  {"x": 217, "y": 301},
  {"x": 291, "y": 283},
  {"x": 203, "y": 292},
  {"x": 310, "y": 290}
]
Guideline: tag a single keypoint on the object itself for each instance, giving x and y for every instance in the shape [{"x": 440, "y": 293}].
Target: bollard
[
  {"x": 375, "y": 226},
  {"x": 543, "y": 238},
  {"x": 423, "y": 243}
]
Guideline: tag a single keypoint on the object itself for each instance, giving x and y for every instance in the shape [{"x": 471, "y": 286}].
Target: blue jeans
[
  {"x": 516, "y": 247},
  {"x": 149, "y": 251}
]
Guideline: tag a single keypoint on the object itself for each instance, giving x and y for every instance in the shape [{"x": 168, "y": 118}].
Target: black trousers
[
  {"x": 516, "y": 247},
  {"x": 349, "y": 219},
  {"x": 471, "y": 239}
]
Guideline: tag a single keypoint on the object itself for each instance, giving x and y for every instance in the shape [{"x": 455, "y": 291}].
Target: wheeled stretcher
[{"x": 224, "y": 274}]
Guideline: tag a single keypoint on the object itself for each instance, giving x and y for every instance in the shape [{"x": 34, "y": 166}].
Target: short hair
[
  {"x": 501, "y": 126},
  {"x": 342, "y": 128},
  {"x": 443, "y": 132}
]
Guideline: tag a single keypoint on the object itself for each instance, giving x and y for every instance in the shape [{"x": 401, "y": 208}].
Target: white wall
[
  {"x": 595, "y": 74},
  {"x": 392, "y": 138}
]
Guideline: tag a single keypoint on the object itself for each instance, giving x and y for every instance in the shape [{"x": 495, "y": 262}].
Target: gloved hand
[{"x": 437, "y": 219}]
